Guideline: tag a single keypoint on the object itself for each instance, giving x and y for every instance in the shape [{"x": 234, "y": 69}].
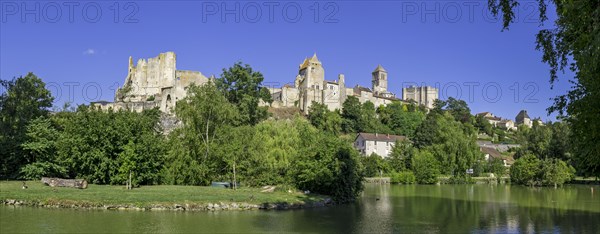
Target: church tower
[{"x": 379, "y": 80}]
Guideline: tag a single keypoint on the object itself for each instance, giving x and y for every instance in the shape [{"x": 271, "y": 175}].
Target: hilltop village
[{"x": 157, "y": 83}]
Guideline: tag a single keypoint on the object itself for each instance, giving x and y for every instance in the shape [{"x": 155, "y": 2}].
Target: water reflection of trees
[{"x": 492, "y": 208}]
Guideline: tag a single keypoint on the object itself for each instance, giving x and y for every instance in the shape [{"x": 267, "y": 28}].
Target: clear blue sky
[{"x": 448, "y": 44}]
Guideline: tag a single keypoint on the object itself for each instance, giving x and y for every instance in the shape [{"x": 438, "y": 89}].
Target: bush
[
  {"x": 403, "y": 177},
  {"x": 426, "y": 168},
  {"x": 556, "y": 172},
  {"x": 529, "y": 170},
  {"x": 333, "y": 170},
  {"x": 497, "y": 167},
  {"x": 526, "y": 170},
  {"x": 374, "y": 165},
  {"x": 462, "y": 179}
]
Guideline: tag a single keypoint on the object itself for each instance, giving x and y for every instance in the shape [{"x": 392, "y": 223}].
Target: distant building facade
[
  {"x": 156, "y": 83},
  {"x": 424, "y": 95},
  {"x": 498, "y": 122},
  {"x": 311, "y": 86},
  {"x": 507, "y": 124},
  {"x": 380, "y": 144},
  {"x": 491, "y": 118},
  {"x": 490, "y": 154},
  {"x": 523, "y": 119}
]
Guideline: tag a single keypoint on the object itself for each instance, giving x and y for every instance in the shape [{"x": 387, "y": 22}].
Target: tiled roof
[
  {"x": 492, "y": 152},
  {"x": 381, "y": 137}
]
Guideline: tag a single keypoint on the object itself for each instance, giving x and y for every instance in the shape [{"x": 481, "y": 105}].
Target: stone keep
[{"x": 154, "y": 82}]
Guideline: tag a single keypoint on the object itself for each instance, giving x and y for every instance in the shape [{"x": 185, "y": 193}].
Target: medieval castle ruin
[{"x": 156, "y": 82}]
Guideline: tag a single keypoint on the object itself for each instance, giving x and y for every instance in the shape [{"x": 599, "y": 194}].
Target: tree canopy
[{"x": 572, "y": 43}]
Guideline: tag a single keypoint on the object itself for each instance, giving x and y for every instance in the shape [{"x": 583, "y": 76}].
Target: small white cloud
[{"x": 89, "y": 52}]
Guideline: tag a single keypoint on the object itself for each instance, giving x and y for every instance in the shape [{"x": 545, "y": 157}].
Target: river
[{"x": 381, "y": 209}]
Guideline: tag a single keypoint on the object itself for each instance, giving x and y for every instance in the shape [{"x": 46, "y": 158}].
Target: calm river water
[{"x": 381, "y": 209}]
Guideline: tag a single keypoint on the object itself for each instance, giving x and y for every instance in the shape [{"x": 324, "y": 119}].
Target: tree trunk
[
  {"x": 234, "y": 182},
  {"x": 206, "y": 139},
  {"x": 129, "y": 187}
]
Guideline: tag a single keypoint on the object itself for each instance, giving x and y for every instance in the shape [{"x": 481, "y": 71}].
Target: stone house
[
  {"x": 491, "y": 118},
  {"x": 507, "y": 124},
  {"x": 380, "y": 144},
  {"x": 491, "y": 153}
]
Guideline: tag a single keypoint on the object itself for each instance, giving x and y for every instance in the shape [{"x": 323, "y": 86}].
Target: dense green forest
[{"x": 226, "y": 136}]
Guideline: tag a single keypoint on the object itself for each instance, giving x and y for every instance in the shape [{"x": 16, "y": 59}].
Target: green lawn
[{"x": 147, "y": 195}]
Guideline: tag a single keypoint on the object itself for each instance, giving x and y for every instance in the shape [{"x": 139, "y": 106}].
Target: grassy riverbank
[{"x": 159, "y": 197}]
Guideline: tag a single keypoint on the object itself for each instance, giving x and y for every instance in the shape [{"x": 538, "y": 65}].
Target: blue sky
[{"x": 455, "y": 45}]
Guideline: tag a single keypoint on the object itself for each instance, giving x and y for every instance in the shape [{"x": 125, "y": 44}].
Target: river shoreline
[
  {"x": 217, "y": 206},
  {"x": 157, "y": 197}
]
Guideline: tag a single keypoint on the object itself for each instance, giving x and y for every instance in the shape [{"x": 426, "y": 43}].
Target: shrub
[
  {"x": 556, "y": 172},
  {"x": 526, "y": 170},
  {"x": 403, "y": 177},
  {"x": 529, "y": 170},
  {"x": 425, "y": 167}
]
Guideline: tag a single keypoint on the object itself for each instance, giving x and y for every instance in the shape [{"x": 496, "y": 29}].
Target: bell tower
[{"x": 379, "y": 80}]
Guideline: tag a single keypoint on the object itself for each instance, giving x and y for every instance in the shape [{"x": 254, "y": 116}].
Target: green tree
[
  {"x": 483, "y": 125},
  {"x": 560, "y": 143},
  {"x": 235, "y": 153},
  {"x": 324, "y": 119},
  {"x": 401, "y": 156},
  {"x": 401, "y": 119},
  {"x": 556, "y": 172},
  {"x": 351, "y": 114},
  {"x": 275, "y": 145},
  {"x": 538, "y": 140},
  {"x": 572, "y": 43},
  {"x": 203, "y": 112},
  {"x": 496, "y": 166},
  {"x": 425, "y": 167},
  {"x": 327, "y": 165},
  {"x": 374, "y": 165},
  {"x": 25, "y": 99},
  {"x": 526, "y": 170},
  {"x": 128, "y": 168},
  {"x": 451, "y": 142},
  {"x": 459, "y": 109},
  {"x": 91, "y": 142},
  {"x": 40, "y": 150},
  {"x": 242, "y": 86}
]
